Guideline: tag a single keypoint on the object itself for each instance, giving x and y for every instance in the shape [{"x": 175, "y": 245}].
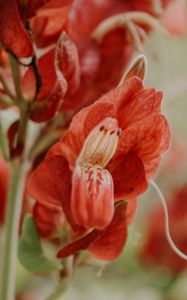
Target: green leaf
[{"x": 30, "y": 252}]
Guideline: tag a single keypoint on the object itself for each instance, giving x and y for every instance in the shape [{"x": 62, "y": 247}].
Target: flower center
[{"x": 100, "y": 145}]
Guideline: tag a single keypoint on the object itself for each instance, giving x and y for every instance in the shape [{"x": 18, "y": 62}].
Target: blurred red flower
[
  {"x": 156, "y": 249},
  {"x": 110, "y": 152}
]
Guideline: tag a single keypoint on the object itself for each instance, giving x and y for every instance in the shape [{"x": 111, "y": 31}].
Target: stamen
[
  {"x": 167, "y": 230},
  {"x": 101, "y": 143}
]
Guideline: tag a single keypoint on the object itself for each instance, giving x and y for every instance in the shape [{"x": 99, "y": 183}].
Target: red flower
[
  {"x": 109, "y": 153},
  {"x": 4, "y": 180},
  {"x": 156, "y": 249},
  {"x": 14, "y": 36},
  {"x": 60, "y": 73},
  {"x": 176, "y": 10}
]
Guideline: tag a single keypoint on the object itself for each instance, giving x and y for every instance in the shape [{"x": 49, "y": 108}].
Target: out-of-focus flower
[
  {"x": 156, "y": 249},
  {"x": 60, "y": 73},
  {"x": 13, "y": 34},
  {"x": 4, "y": 180},
  {"x": 110, "y": 152},
  {"x": 175, "y": 17}
]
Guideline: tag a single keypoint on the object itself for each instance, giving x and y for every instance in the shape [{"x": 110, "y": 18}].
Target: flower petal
[
  {"x": 34, "y": 5},
  {"x": 50, "y": 182},
  {"x": 147, "y": 138},
  {"x": 115, "y": 52},
  {"x": 112, "y": 238},
  {"x": 129, "y": 177},
  {"x": 110, "y": 243},
  {"x": 14, "y": 36},
  {"x": 80, "y": 244},
  {"x": 49, "y": 220},
  {"x": 67, "y": 63},
  {"x": 145, "y": 102},
  {"x": 92, "y": 198}
]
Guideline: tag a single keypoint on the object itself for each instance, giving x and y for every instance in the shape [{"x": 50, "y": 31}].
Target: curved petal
[
  {"x": 34, "y": 5},
  {"x": 80, "y": 244},
  {"x": 110, "y": 243},
  {"x": 49, "y": 220},
  {"x": 14, "y": 36},
  {"x": 49, "y": 21},
  {"x": 115, "y": 53},
  {"x": 89, "y": 63},
  {"x": 112, "y": 238},
  {"x": 50, "y": 182},
  {"x": 46, "y": 109},
  {"x": 129, "y": 177},
  {"x": 145, "y": 103},
  {"x": 48, "y": 77},
  {"x": 147, "y": 138},
  {"x": 92, "y": 198},
  {"x": 67, "y": 63}
]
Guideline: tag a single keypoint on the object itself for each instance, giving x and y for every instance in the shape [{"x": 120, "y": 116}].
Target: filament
[{"x": 167, "y": 231}]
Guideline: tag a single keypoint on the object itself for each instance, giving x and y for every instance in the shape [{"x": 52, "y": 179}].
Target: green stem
[
  {"x": 59, "y": 291},
  {"x": 15, "y": 197},
  {"x": 3, "y": 143},
  {"x": 18, "y": 169},
  {"x": 16, "y": 76},
  {"x": 62, "y": 287}
]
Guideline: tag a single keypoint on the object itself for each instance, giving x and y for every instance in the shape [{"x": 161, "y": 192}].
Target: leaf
[{"x": 30, "y": 252}]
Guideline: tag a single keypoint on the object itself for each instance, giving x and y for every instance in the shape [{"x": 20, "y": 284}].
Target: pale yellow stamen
[{"x": 101, "y": 143}]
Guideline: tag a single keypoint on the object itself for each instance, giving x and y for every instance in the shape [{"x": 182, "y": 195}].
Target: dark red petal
[
  {"x": 13, "y": 35},
  {"x": 49, "y": 219},
  {"x": 115, "y": 54},
  {"x": 15, "y": 147},
  {"x": 46, "y": 109},
  {"x": 129, "y": 177},
  {"x": 89, "y": 62},
  {"x": 110, "y": 243},
  {"x": 112, "y": 238},
  {"x": 52, "y": 90},
  {"x": 50, "y": 182},
  {"x": 81, "y": 244},
  {"x": 147, "y": 138},
  {"x": 48, "y": 77}
]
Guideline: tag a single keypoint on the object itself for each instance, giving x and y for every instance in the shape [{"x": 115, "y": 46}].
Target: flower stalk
[{"x": 18, "y": 172}]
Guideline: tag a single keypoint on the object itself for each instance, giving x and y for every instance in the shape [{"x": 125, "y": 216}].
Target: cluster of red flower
[{"x": 113, "y": 147}]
